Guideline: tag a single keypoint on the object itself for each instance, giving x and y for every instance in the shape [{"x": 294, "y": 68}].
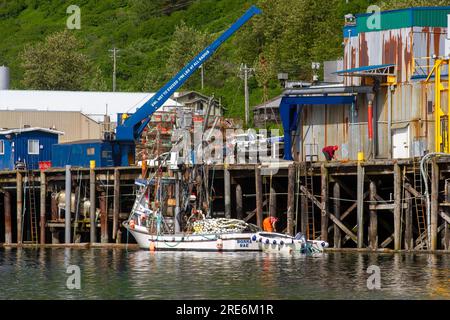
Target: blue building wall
[
  {"x": 16, "y": 149},
  {"x": 82, "y": 153}
]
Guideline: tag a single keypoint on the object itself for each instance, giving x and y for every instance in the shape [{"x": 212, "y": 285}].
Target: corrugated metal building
[
  {"x": 28, "y": 146},
  {"x": 75, "y": 125},
  {"x": 386, "y": 64}
]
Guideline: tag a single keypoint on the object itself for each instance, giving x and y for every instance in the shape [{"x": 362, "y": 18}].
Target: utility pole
[
  {"x": 114, "y": 57},
  {"x": 245, "y": 73}
]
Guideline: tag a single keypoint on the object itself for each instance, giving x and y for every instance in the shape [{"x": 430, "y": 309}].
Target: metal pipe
[
  {"x": 68, "y": 191},
  {"x": 370, "y": 126}
]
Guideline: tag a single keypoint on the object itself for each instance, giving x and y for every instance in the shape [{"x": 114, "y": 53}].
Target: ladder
[
  {"x": 422, "y": 239},
  {"x": 32, "y": 208}
]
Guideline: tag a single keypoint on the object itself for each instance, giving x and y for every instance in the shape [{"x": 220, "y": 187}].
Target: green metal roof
[{"x": 405, "y": 18}]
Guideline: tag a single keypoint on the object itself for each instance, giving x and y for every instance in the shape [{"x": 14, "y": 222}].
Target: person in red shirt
[{"x": 330, "y": 152}]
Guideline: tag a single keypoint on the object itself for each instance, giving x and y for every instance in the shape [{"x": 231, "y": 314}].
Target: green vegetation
[{"x": 156, "y": 37}]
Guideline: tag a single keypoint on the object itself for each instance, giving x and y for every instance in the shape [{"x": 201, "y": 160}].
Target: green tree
[
  {"x": 55, "y": 64},
  {"x": 397, "y": 4},
  {"x": 186, "y": 43},
  {"x": 98, "y": 82}
]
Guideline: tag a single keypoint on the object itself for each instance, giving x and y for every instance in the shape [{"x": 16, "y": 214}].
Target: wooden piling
[
  {"x": 19, "y": 192},
  {"x": 67, "y": 217},
  {"x": 373, "y": 225},
  {"x": 227, "y": 189},
  {"x": 239, "y": 203},
  {"x": 259, "y": 197},
  {"x": 93, "y": 229},
  {"x": 43, "y": 204},
  {"x": 291, "y": 200},
  {"x": 398, "y": 206},
  {"x": 116, "y": 204},
  {"x": 324, "y": 197},
  {"x": 304, "y": 214},
  {"x": 434, "y": 203},
  {"x": 54, "y": 212},
  {"x": 337, "y": 213},
  {"x": 8, "y": 225},
  {"x": 409, "y": 241},
  {"x": 103, "y": 218},
  {"x": 272, "y": 202},
  {"x": 447, "y": 210},
  {"x": 360, "y": 206}
]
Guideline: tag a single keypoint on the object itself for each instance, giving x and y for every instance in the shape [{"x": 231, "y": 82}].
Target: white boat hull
[
  {"x": 281, "y": 243},
  {"x": 208, "y": 242}
]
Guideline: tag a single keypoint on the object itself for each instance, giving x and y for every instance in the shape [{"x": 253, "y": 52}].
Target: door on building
[{"x": 400, "y": 143}]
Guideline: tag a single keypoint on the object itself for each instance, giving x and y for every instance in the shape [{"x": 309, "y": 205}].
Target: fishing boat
[
  {"x": 219, "y": 240},
  {"x": 154, "y": 230},
  {"x": 281, "y": 243}
]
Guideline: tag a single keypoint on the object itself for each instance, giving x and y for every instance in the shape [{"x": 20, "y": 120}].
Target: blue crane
[
  {"x": 130, "y": 129},
  {"x": 120, "y": 151}
]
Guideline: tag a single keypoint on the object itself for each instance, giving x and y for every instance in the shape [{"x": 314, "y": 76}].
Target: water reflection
[{"x": 121, "y": 274}]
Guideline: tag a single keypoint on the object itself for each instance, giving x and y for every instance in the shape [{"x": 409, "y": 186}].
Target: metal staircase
[{"x": 422, "y": 239}]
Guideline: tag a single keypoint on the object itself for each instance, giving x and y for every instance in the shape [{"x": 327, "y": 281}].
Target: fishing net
[{"x": 222, "y": 225}]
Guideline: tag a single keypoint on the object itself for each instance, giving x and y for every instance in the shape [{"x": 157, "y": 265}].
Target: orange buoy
[
  {"x": 131, "y": 224},
  {"x": 152, "y": 246}
]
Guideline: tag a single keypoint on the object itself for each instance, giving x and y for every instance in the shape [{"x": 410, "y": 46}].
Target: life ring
[{"x": 132, "y": 224}]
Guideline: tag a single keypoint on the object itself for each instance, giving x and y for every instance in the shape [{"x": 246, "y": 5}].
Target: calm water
[{"x": 121, "y": 274}]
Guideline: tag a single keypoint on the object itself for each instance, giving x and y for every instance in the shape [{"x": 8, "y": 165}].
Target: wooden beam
[
  {"x": 398, "y": 208},
  {"x": 388, "y": 240},
  {"x": 103, "y": 218},
  {"x": 43, "y": 204},
  {"x": 444, "y": 216},
  {"x": 272, "y": 202},
  {"x": 19, "y": 191},
  {"x": 373, "y": 225},
  {"x": 227, "y": 192},
  {"x": 8, "y": 224},
  {"x": 360, "y": 206},
  {"x": 324, "y": 209},
  {"x": 332, "y": 217},
  {"x": 116, "y": 203},
  {"x": 434, "y": 203},
  {"x": 413, "y": 191},
  {"x": 291, "y": 200},
  {"x": 409, "y": 241},
  {"x": 259, "y": 197},
  {"x": 337, "y": 213},
  {"x": 239, "y": 204},
  {"x": 447, "y": 211},
  {"x": 92, "y": 209}
]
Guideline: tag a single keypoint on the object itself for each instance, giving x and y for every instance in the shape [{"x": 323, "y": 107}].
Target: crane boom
[{"x": 133, "y": 126}]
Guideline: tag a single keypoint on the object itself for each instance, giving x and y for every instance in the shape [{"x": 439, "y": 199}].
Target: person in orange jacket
[{"x": 269, "y": 224}]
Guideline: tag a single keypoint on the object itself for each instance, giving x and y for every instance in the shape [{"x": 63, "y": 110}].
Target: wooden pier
[{"x": 373, "y": 205}]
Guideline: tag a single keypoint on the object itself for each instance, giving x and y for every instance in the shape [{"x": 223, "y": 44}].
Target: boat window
[{"x": 2, "y": 147}]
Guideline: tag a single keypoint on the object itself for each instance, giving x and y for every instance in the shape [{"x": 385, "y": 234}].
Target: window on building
[
  {"x": 33, "y": 146},
  {"x": 90, "y": 151},
  {"x": 2, "y": 147}
]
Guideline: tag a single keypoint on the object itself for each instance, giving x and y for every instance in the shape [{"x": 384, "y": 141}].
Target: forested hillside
[{"x": 156, "y": 37}]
